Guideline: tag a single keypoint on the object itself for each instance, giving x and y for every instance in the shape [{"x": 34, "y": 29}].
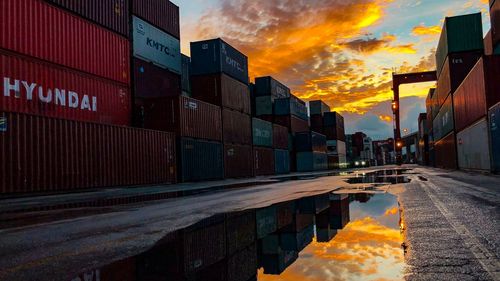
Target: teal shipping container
[
  {"x": 262, "y": 133},
  {"x": 266, "y": 222},
  {"x": 443, "y": 124},
  {"x": 460, "y": 34},
  {"x": 281, "y": 161},
  {"x": 200, "y": 160},
  {"x": 263, "y": 105},
  {"x": 291, "y": 106},
  {"x": 311, "y": 161}
]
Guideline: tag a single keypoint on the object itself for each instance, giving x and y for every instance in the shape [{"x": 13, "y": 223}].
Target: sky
[{"x": 340, "y": 51}]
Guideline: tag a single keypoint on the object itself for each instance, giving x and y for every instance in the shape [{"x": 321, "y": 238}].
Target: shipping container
[
  {"x": 333, "y": 126},
  {"x": 443, "y": 124},
  {"x": 200, "y": 160},
  {"x": 314, "y": 204},
  {"x": 297, "y": 241},
  {"x": 41, "y": 154},
  {"x": 186, "y": 75},
  {"x": 41, "y": 30},
  {"x": 151, "y": 81},
  {"x": 243, "y": 265},
  {"x": 153, "y": 45},
  {"x": 473, "y": 147},
  {"x": 270, "y": 244},
  {"x": 318, "y": 107},
  {"x": 216, "y": 56},
  {"x": 281, "y": 161},
  {"x": 262, "y": 133},
  {"x": 291, "y": 106},
  {"x": 265, "y": 220},
  {"x": 268, "y": 86},
  {"x": 455, "y": 69},
  {"x": 161, "y": 13},
  {"x": 112, "y": 14},
  {"x": 263, "y": 106},
  {"x": 339, "y": 210},
  {"x": 277, "y": 263},
  {"x": 285, "y": 212},
  {"x": 494, "y": 127},
  {"x": 240, "y": 230},
  {"x": 280, "y": 137},
  {"x": 299, "y": 223},
  {"x": 317, "y": 122},
  {"x": 293, "y": 123},
  {"x": 429, "y": 107},
  {"x": 263, "y": 161},
  {"x": 185, "y": 116},
  {"x": 310, "y": 141},
  {"x": 460, "y": 34},
  {"x": 236, "y": 127},
  {"x": 237, "y": 161},
  {"x": 446, "y": 152},
  {"x": 435, "y": 106},
  {"x": 336, "y": 147},
  {"x": 495, "y": 22},
  {"x": 488, "y": 44},
  {"x": 311, "y": 161},
  {"x": 222, "y": 90},
  {"x": 35, "y": 87}
]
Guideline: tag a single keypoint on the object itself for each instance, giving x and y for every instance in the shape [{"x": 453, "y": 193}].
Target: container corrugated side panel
[
  {"x": 112, "y": 100},
  {"x": 494, "y": 127},
  {"x": 263, "y": 106},
  {"x": 488, "y": 44},
  {"x": 262, "y": 132},
  {"x": 443, "y": 124},
  {"x": 268, "y": 86},
  {"x": 492, "y": 70},
  {"x": 282, "y": 161},
  {"x": 46, "y": 155},
  {"x": 473, "y": 147},
  {"x": 469, "y": 100},
  {"x": 263, "y": 161},
  {"x": 151, "y": 81},
  {"x": 37, "y": 29},
  {"x": 446, "y": 152},
  {"x": 161, "y": 13},
  {"x": 112, "y": 14},
  {"x": 237, "y": 127},
  {"x": 495, "y": 22},
  {"x": 200, "y": 160},
  {"x": 237, "y": 161},
  {"x": 198, "y": 119},
  {"x": 280, "y": 137}
]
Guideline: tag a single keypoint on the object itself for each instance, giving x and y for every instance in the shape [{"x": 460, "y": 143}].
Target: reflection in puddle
[
  {"x": 324, "y": 237},
  {"x": 380, "y": 177}
]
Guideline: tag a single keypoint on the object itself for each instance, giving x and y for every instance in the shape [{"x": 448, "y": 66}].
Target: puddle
[
  {"x": 381, "y": 177},
  {"x": 324, "y": 237},
  {"x": 310, "y": 177}
]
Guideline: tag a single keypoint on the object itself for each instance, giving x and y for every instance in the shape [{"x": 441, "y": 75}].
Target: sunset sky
[{"x": 340, "y": 51}]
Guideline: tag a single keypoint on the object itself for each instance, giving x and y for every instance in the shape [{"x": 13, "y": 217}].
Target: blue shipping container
[
  {"x": 310, "y": 141},
  {"x": 494, "y": 116},
  {"x": 216, "y": 56},
  {"x": 200, "y": 160},
  {"x": 153, "y": 45},
  {"x": 311, "y": 161},
  {"x": 281, "y": 161},
  {"x": 291, "y": 106}
]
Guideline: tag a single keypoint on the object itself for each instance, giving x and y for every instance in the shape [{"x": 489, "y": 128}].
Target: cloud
[
  {"x": 422, "y": 30},
  {"x": 370, "y": 46}
]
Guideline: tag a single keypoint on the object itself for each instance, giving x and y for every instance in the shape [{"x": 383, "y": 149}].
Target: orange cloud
[
  {"x": 421, "y": 30},
  {"x": 392, "y": 211},
  {"x": 368, "y": 46},
  {"x": 386, "y": 118}
]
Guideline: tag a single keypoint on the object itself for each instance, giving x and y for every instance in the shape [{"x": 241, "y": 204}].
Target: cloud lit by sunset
[{"x": 342, "y": 52}]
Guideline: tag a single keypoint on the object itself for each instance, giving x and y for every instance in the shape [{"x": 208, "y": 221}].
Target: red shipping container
[
  {"x": 35, "y": 87},
  {"x": 293, "y": 123},
  {"x": 41, "y": 154},
  {"x": 446, "y": 152},
  {"x": 35, "y": 28},
  {"x": 222, "y": 90},
  {"x": 495, "y": 22},
  {"x": 185, "y": 116},
  {"x": 263, "y": 161},
  {"x": 236, "y": 161},
  {"x": 112, "y": 14},
  {"x": 268, "y": 118},
  {"x": 455, "y": 69},
  {"x": 488, "y": 44},
  {"x": 151, "y": 81},
  {"x": 280, "y": 137},
  {"x": 317, "y": 121},
  {"x": 236, "y": 127},
  {"x": 161, "y": 13}
]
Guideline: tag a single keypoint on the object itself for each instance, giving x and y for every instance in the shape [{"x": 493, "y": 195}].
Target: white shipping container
[
  {"x": 473, "y": 147},
  {"x": 336, "y": 147}
]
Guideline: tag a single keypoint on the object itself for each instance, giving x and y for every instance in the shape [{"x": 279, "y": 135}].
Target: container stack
[
  {"x": 220, "y": 76},
  {"x": 423, "y": 140},
  {"x": 186, "y": 76},
  {"x": 263, "y": 151},
  {"x": 334, "y": 130},
  {"x": 495, "y": 26},
  {"x": 311, "y": 151},
  {"x": 281, "y": 145},
  {"x": 460, "y": 47},
  {"x": 267, "y": 90},
  {"x": 431, "y": 108}
]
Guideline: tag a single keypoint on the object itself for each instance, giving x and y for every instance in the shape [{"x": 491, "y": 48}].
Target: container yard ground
[{"x": 450, "y": 219}]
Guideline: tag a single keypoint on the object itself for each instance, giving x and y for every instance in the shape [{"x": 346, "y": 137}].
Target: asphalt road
[{"x": 451, "y": 227}]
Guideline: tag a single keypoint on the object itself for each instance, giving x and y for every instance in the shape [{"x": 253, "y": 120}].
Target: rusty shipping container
[
  {"x": 280, "y": 137},
  {"x": 112, "y": 14},
  {"x": 222, "y": 90},
  {"x": 488, "y": 44},
  {"x": 151, "y": 81},
  {"x": 161, "y": 13},
  {"x": 293, "y": 123},
  {"x": 41, "y": 30},
  {"x": 495, "y": 22},
  {"x": 35, "y": 87},
  {"x": 237, "y": 163},
  {"x": 185, "y": 116},
  {"x": 263, "y": 161},
  {"x": 236, "y": 127},
  {"x": 446, "y": 152},
  {"x": 41, "y": 154},
  {"x": 455, "y": 69}
]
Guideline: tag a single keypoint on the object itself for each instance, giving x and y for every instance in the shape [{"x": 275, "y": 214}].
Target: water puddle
[
  {"x": 324, "y": 237},
  {"x": 380, "y": 177}
]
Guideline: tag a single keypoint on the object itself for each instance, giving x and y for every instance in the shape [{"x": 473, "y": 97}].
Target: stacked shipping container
[
  {"x": 311, "y": 151},
  {"x": 224, "y": 84},
  {"x": 263, "y": 147}
]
